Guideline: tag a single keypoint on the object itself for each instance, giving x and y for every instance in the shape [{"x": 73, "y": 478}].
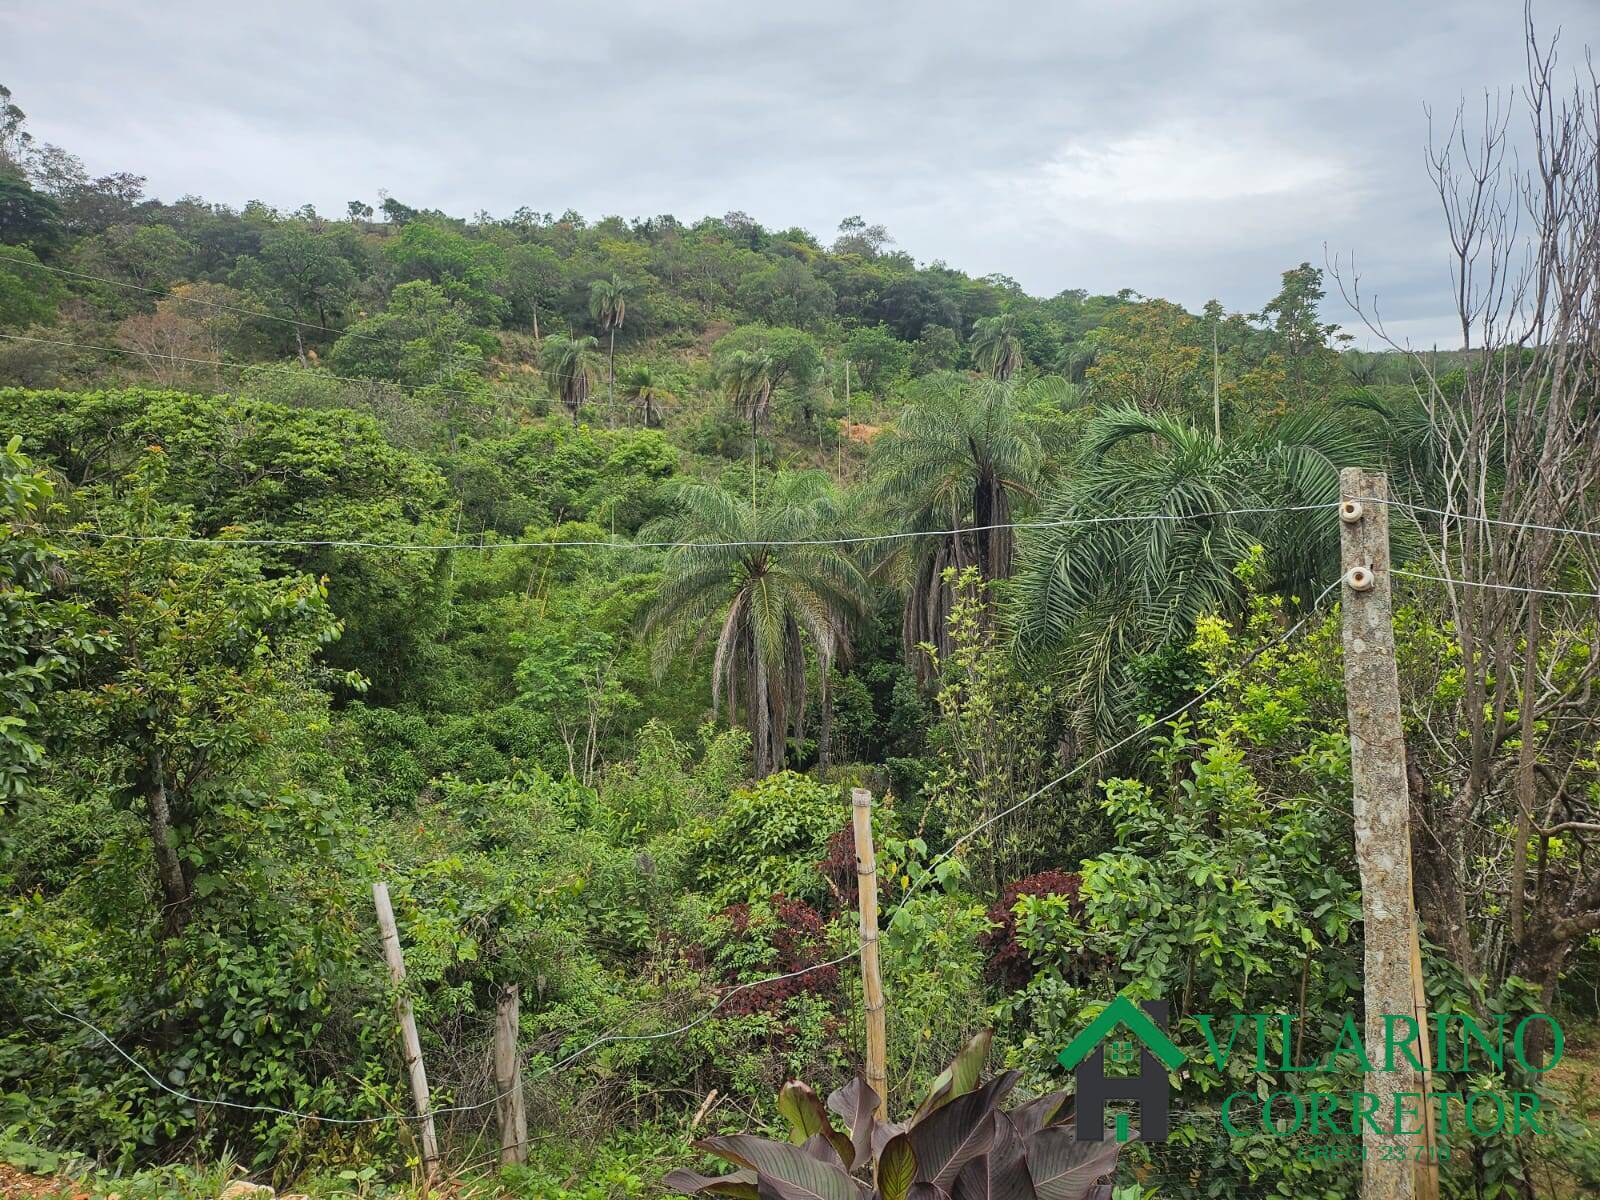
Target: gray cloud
[{"x": 1183, "y": 150}]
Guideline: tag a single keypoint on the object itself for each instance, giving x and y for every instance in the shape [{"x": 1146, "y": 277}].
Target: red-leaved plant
[{"x": 959, "y": 1145}]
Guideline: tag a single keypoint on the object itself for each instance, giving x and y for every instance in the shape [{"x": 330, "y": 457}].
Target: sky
[{"x": 1186, "y": 151}]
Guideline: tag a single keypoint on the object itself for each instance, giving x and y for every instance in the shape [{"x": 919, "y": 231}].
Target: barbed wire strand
[
  {"x": 1493, "y": 585},
  {"x": 551, "y": 544},
  {"x": 261, "y": 1108},
  {"x": 1534, "y": 526}
]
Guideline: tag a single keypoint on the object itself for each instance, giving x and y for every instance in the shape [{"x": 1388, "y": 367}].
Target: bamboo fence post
[{"x": 871, "y": 979}]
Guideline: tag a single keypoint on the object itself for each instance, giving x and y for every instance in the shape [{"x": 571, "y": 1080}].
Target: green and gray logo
[{"x": 1141, "y": 1030}]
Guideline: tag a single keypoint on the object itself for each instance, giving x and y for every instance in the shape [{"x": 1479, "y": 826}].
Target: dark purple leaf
[
  {"x": 1053, "y": 1109},
  {"x": 954, "y": 1134},
  {"x": 690, "y": 1183},
  {"x": 856, "y": 1104},
  {"x": 783, "y": 1171},
  {"x": 1062, "y": 1167},
  {"x": 1002, "y": 1173},
  {"x": 960, "y": 1077}
]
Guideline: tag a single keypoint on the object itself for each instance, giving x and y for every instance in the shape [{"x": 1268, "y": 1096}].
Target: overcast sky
[{"x": 1185, "y": 150}]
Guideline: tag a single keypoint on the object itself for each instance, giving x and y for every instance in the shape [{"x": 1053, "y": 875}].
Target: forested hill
[{"x": 458, "y": 312}]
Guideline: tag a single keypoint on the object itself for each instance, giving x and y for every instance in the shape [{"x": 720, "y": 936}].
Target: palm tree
[
  {"x": 958, "y": 459},
  {"x": 748, "y": 378},
  {"x": 761, "y": 587},
  {"x": 1165, "y": 538},
  {"x": 608, "y": 304},
  {"x": 567, "y": 363},
  {"x": 997, "y": 345},
  {"x": 640, "y": 386}
]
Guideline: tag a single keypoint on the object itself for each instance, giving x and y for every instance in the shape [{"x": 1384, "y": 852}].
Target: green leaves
[
  {"x": 762, "y": 589},
  {"x": 568, "y": 364},
  {"x": 897, "y": 1168}
]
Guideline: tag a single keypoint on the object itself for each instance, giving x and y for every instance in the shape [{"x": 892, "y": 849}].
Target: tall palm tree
[
  {"x": 608, "y": 304},
  {"x": 997, "y": 345},
  {"x": 958, "y": 459},
  {"x": 760, "y": 588},
  {"x": 749, "y": 379},
  {"x": 641, "y": 386},
  {"x": 1095, "y": 597},
  {"x": 568, "y": 362}
]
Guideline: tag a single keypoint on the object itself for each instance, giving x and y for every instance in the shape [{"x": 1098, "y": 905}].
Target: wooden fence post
[
  {"x": 408, "y": 1027},
  {"x": 509, "y": 1112},
  {"x": 1392, "y": 983},
  {"x": 871, "y": 979}
]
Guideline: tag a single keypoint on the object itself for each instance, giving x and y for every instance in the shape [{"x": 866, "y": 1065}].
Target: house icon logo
[{"x": 1143, "y": 1033}]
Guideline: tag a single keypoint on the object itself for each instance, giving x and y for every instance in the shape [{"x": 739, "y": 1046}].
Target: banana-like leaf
[
  {"x": 953, "y": 1135},
  {"x": 897, "y": 1169},
  {"x": 771, "y": 1187},
  {"x": 1001, "y": 1174},
  {"x": 960, "y": 1077},
  {"x": 824, "y": 1148},
  {"x": 799, "y": 1106},
  {"x": 1056, "y": 1108},
  {"x": 807, "y": 1118},
  {"x": 741, "y": 1184},
  {"x": 856, "y": 1104},
  {"x": 1063, "y": 1168},
  {"x": 783, "y": 1171}
]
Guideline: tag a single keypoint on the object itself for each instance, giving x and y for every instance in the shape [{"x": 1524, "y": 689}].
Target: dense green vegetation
[{"x": 566, "y": 573}]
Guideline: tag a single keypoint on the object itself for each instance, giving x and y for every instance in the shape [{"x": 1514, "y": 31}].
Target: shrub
[
  {"x": 769, "y": 840},
  {"x": 1008, "y": 964},
  {"x": 786, "y": 936}
]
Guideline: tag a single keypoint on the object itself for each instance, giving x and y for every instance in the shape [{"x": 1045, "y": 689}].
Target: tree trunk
[
  {"x": 760, "y": 709},
  {"x": 611, "y": 373},
  {"x": 175, "y": 895},
  {"x": 1438, "y": 847},
  {"x": 825, "y": 725},
  {"x": 1526, "y": 762}
]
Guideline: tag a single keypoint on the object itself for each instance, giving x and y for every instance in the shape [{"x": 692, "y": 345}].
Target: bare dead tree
[{"x": 1512, "y": 425}]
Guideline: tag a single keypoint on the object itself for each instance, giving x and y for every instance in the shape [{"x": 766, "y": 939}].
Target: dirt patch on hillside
[{"x": 19, "y": 1185}]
